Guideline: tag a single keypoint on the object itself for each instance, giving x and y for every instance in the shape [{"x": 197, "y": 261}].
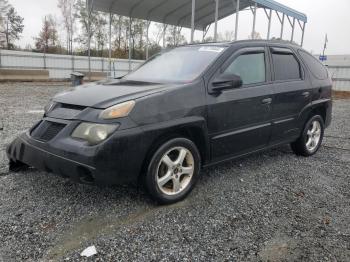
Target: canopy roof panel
[{"x": 178, "y": 12}]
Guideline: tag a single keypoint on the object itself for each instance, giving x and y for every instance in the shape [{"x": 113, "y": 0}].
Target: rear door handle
[
  {"x": 266, "y": 101},
  {"x": 306, "y": 94}
]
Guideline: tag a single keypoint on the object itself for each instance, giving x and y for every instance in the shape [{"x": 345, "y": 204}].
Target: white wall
[
  {"x": 339, "y": 68},
  {"x": 61, "y": 66}
]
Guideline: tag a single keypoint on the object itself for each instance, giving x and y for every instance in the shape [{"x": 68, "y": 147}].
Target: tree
[
  {"x": 118, "y": 31},
  {"x": 254, "y": 35},
  {"x": 67, "y": 11},
  {"x": 174, "y": 36},
  {"x": 101, "y": 32},
  {"x": 82, "y": 15},
  {"x": 158, "y": 33},
  {"x": 4, "y": 7},
  {"x": 47, "y": 41},
  {"x": 13, "y": 27}
]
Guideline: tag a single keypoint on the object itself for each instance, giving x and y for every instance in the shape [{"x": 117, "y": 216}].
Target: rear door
[
  {"x": 292, "y": 93},
  {"x": 239, "y": 120}
]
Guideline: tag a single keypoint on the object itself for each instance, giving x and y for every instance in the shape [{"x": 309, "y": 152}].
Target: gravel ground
[{"x": 272, "y": 206}]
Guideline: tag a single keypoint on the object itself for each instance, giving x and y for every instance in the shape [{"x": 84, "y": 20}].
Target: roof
[
  {"x": 178, "y": 12},
  {"x": 246, "y": 41}
]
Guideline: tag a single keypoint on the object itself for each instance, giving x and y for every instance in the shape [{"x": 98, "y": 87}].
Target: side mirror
[{"x": 226, "y": 81}]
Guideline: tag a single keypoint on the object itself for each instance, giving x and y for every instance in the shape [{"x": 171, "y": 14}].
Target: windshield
[{"x": 182, "y": 64}]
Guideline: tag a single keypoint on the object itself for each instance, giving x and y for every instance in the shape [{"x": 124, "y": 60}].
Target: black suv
[{"x": 182, "y": 110}]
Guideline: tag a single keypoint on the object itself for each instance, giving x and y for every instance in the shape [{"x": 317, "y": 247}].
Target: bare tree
[
  {"x": 158, "y": 33},
  {"x": 81, "y": 13},
  {"x": 118, "y": 31},
  {"x": 4, "y": 7},
  {"x": 101, "y": 32},
  {"x": 67, "y": 11},
  {"x": 254, "y": 35},
  {"x": 47, "y": 41},
  {"x": 174, "y": 36}
]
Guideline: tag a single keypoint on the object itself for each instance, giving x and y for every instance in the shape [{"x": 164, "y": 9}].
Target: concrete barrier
[
  {"x": 95, "y": 76},
  {"x": 23, "y": 75}
]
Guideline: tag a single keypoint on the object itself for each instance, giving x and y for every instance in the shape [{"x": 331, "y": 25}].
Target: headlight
[
  {"x": 93, "y": 133},
  {"x": 117, "y": 111},
  {"x": 49, "y": 107}
]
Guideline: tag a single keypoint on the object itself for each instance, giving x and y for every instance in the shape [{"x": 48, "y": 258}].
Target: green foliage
[{"x": 11, "y": 25}]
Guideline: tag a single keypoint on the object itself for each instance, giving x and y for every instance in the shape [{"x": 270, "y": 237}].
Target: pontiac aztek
[{"x": 182, "y": 110}]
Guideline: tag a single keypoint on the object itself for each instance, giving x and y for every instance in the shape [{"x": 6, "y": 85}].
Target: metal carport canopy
[{"x": 178, "y": 12}]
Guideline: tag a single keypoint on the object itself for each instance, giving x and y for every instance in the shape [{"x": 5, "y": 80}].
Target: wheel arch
[
  {"x": 320, "y": 107},
  {"x": 194, "y": 129}
]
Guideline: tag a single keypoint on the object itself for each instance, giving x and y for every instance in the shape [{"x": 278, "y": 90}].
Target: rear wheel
[
  {"x": 173, "y": 171},
  {"x": 311, "y": 139}
]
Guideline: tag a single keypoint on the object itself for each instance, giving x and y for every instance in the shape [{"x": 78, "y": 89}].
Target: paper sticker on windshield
[{"x": 211, "y": 49}]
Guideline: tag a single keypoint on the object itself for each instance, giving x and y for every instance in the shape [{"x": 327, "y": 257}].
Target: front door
[{"x": 239, "y": 120}]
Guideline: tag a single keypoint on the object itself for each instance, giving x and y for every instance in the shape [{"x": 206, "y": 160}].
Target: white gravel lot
[{"x": 272, "y": 206}]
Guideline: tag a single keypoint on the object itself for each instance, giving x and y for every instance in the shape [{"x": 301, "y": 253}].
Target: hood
[{"x": 99, "y": 95}]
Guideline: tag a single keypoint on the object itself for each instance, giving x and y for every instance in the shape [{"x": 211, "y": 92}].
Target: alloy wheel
[
  {"x": 313, "y": 136},
  {"x": 175, "y": 170}
]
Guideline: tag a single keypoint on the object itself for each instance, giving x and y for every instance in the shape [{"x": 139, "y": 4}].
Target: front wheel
[
  {"x": 311, "y": 139},
  {"x": 173, "y": 171}
]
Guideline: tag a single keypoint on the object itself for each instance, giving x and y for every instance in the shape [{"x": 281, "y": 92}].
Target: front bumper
[{"x": 118, "y": 160}]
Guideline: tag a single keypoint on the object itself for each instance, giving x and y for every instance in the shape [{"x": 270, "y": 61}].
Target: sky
[{"x": 331, "y": 17}]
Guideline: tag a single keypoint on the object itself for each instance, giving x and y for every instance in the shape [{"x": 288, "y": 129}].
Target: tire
[
  {"x": 173, "y": 171},
  {"x": 311, "y": 138}
]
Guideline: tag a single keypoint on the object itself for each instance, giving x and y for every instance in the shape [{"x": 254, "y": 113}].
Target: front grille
[{"x": 47, "y": 130}]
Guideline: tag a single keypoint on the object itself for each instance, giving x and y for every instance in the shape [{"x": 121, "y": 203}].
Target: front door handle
[
  {"x": 266, "y": 101},
  {"x": 306, "y": 94}
]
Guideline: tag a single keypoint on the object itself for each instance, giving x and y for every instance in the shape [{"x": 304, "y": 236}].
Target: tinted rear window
[
  {"x": 316, "y": 68},
  {"x": 286, "y": 66}
]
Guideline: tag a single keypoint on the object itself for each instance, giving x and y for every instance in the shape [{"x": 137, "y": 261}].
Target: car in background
[{"x": 183, "y": 110}]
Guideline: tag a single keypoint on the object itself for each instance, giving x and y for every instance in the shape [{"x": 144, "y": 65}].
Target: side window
[
  {"x": 317, "y": 69},
  {"x": 250, "y": 67},
  {"x": 286, "y": 66}
]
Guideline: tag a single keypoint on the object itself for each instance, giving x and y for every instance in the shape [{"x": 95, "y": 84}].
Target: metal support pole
[
  {"x": 282, "y": 26},
  {"x": 174, "y": 35},
  {"x": 205, "y": 31},
  {"x": 254, "y": 20},
  {"x": 45, "y": 47},
  {"x": 147, "y": 39},
  {"x": 164, "y": 35},
  {"x": 89, "y": 35},
  {"x": 44, "y": 57},
  {"x": 72, "y": 59},
  {"x": 269, "y": 28},
  {"x": 293, "y": 27},
  {"x": 237, "y": 18},
  {"x": 302, "y": 36},
  {"x": 216, "y": 20},
  {"x": 110, "y": 45},
  {"x": 130, "y": 44},
  {"x": 192, "y": 19},
  {"x": 164, "y": 32}
]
